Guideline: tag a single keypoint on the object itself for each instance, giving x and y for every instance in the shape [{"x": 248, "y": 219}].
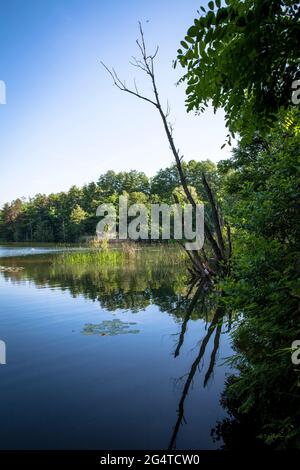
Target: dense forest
[{"x": 71, "y": 216}]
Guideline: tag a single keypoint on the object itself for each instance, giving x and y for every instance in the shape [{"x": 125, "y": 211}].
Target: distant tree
[
  {"x": 132, "y": 181},
  {"x": 137, "y": 197},
  {"x": 66, "y": 216},
  {"x": 164, "y": 183},
  {"x": 43, "y": 232},
  {"x": 78, "y": 215},
  {"x": 12, "y": 220},
  {"x": 135, "y": 181},
  {"x": 76, "y": 224}
]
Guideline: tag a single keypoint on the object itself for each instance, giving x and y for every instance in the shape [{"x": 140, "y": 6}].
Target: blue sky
[{"x": 64, "y": 123}]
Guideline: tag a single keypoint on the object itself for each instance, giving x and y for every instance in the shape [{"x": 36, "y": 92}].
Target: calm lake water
[
  {"x": 13, "y": 250},
  {"x": 114, "y": 358}
]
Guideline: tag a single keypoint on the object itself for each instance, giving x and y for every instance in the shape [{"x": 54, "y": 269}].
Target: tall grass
[
  {"x": 91, "y": 258},
  {"x": 125, "y": 255}
]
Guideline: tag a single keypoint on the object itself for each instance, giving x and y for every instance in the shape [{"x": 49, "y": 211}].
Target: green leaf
[
  {"x": 184, "y": 44},
  {"x": 189, "y": 55},
  {"x": 241, "y": 22},
  {"x": 210, "y": 18},
  {"x": 189, "y": 39},
  {"x": 192, "y": 31},
  {"x": 221, "y": 15},
  {"x": 211, "y": 5}
]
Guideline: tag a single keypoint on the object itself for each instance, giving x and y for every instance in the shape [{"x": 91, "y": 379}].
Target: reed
[
  {"x": 124, "y": 255},
  {"x": 91, "y": 258}
]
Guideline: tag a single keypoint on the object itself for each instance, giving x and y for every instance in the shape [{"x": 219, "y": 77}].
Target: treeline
[{"x": 70, "y": 216}]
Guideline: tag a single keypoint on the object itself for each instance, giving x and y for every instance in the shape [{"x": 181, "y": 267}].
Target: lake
[
  {"x": 117, "y": 357},
  {"x": 14, "y": 250}
]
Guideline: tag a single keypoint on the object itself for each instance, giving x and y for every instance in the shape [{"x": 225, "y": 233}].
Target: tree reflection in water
[
  {"x": 206, "y": 301},
  {"x": 134, "y": 286}
]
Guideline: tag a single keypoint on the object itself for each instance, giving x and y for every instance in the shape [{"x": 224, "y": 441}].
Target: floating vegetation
[
  {"x": 109, "y": 328},
  {"x": 11, "y": 269}
]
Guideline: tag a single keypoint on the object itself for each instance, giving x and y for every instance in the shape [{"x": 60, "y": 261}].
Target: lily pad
[
  {"x": 109, "y": 328},
  {"x": 11, "y": 269}
]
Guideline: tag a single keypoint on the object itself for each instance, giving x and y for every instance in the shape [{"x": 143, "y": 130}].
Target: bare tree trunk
[
  {"x": 146, "y": 64},
  {"x": 215, "y": 215}
]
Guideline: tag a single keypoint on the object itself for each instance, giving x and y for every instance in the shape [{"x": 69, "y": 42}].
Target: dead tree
[{"x": 145, "y": 62}]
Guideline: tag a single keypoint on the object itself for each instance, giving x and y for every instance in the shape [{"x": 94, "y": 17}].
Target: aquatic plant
[
  {"x": 11, "y": 269},
  {"x": 90, "y": 258},
  {"x": 109, "y": 328}
]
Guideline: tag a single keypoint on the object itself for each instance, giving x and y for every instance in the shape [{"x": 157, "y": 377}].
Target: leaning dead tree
[{"x": 201, "y": 264}]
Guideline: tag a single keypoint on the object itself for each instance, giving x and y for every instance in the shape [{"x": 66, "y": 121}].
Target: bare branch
[
  {"x": 146, "y": 64},
  {"x": 168, "y": 111},
  {"x": 155, "y": 53},
  {"x": 122, "y": 85}
]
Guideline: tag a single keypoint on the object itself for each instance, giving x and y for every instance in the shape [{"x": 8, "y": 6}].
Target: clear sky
[{"x": 64, "y": 123}]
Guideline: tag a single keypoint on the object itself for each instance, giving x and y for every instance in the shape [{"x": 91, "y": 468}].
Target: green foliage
[
  {"x": 262, "y": 184},
  {"x": 90, "y": 258},
  {"x": 166, "y": 180},
  {"x": 77, "y": 215},
  {"x": 132, "y": 181},
  {"x": 71, "y": 216},
  {"x": 242, "y": 57}
]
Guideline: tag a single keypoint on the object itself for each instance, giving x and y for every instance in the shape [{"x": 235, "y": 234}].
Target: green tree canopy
[
  {"x": 131, "y": 181},
  {"x": 78, "y": 215},
  {"x": 242, "y": 57}
]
